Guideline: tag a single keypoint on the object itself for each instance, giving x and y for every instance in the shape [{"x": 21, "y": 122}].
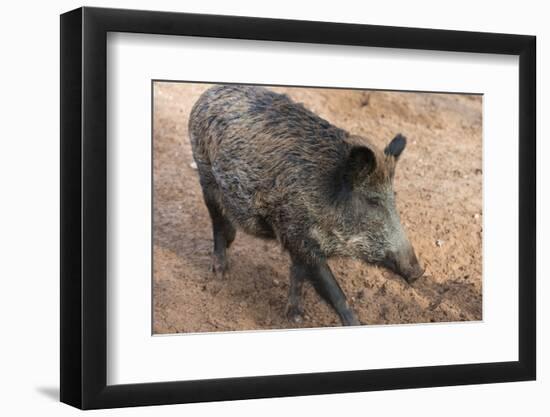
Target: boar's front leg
[
  {"x": 326, "y": 285},
  {"x": 319, "y": 273}
]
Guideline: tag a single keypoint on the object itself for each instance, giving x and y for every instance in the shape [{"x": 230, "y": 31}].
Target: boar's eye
[{"x": 374, "y": 201}]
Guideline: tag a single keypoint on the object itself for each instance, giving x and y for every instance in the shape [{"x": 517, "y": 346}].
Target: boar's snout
[{"x": 404, "y": 263}]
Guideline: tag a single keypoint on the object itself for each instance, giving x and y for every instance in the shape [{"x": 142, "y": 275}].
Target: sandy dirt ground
[{"x": 439, "y": 196}]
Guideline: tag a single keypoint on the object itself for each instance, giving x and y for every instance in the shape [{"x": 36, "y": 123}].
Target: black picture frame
[{"x": 84, "y": 207}]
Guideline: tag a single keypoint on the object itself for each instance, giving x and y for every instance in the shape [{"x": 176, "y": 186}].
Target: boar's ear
[
  {"x": 360, "y": 164},
  {"x": 396, "y": 146}
]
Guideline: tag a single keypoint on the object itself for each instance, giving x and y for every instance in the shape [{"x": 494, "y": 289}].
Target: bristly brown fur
[
  {"x": 273, "y": 166},
  {"x": 274, "y": 169}
]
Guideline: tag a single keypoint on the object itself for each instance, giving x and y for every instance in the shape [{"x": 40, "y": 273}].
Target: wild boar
[{"x": 272, "y": 168}]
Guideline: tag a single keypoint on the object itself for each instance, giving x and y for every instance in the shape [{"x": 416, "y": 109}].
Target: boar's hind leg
[
  {"x": 223, "y": 232},
  {"x": 298, "y": 274},
  {"x": 326, "y": 285}
]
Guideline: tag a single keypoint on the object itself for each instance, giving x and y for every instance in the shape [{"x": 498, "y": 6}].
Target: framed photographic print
[{"x": 257, "y": 208}]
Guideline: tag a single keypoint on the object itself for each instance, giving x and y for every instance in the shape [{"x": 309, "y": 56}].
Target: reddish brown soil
[{"x": 439, "y": 188}]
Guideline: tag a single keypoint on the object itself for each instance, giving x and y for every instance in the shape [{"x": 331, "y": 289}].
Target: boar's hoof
[
  {"x": 219, "y": 267},
  {"x": 295, "y": 314},
  {"x": 351, "y": 321}
]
